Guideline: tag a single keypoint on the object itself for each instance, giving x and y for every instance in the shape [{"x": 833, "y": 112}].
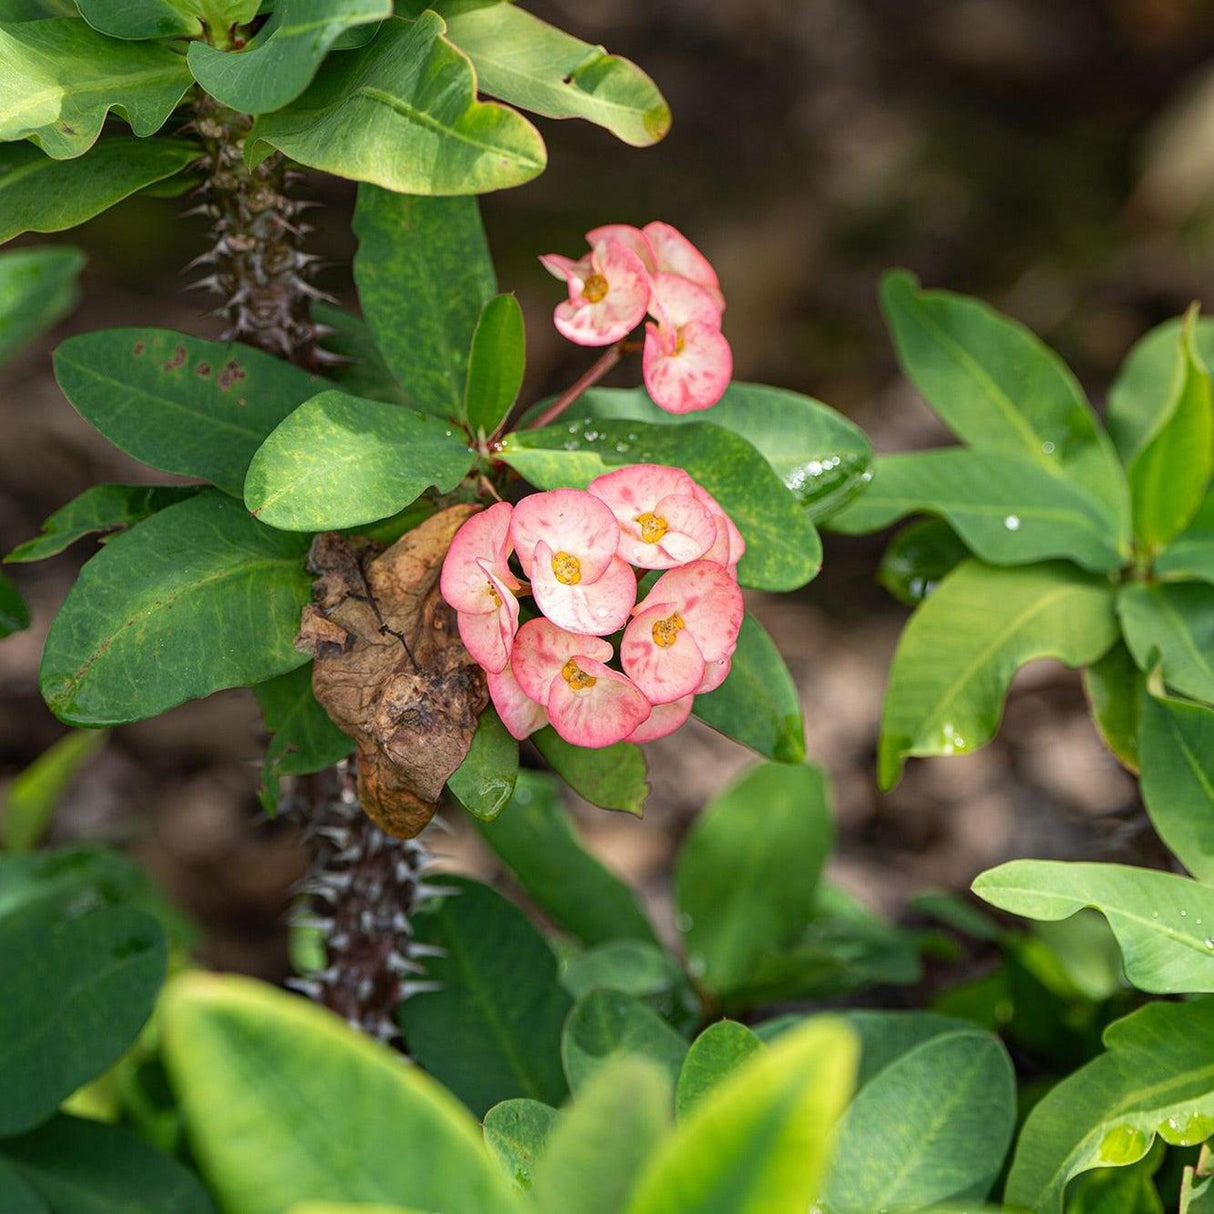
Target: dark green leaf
[
  {"x": 1116, "y": 1190},
  {"x": 783, "y": 550},
  {"x": 59, "y": 79},
  {"x": 516, "y": 1133},
  {"x": 1191, "y": 554},
  {"x": 614, "y": 777},
  {"x": 16, "y": 1197},
  {"x": 887, "y": 1036},
  {"x": 37, "y": 290},
  {"x": 605, "y": 1023},
  {"x": 535, "y": 837},
  {"x": 35, "y": 10},
  {"x": 194, "y": 599},
  {"x": 142, "y": 19},
  {"x": 1174, "y": 620},
  {"x": 181, "y": 404},
  {"x": 484, "y": 782},
  {"x": 402, "y": 113},
  {"x": 14, "y": 614},
  {"x": 101, "y": 508},
  {"x": 495, "y": 365},
  {"x": 364, "y": 372},
  {"x": 747, "y": 872},
  {"x": 492, "y": 1031},
  {"x": 757, "y": 704},
  {"x": 714, "y": 1055},
  {"x": 636, "y": 968},
  {"x": 919, "y": 558},
  {"x": 339, "y": 461},
  {"x": 1114, "y": 690},
  {"x": 35, "y": 792}
]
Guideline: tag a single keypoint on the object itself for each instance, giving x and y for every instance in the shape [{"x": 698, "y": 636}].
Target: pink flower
[
  {"x": 729, "y": 546},
  {"x": 476, "y": 581},
  {"x": 520, "y": 714},
  {"x": 588, "y": 703},
  {"x": 663, "y": 720},
  {"x": 566, "y": 541},
  {"x": 679, "y": 636},
  {"x": 608, "y": 293},
  {"x": 687, "y": 361},
  {"x": 662, "y": 521},
  {"x": 665, "y": 250}
]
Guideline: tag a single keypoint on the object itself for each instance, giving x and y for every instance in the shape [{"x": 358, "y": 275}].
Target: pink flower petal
[
  {"x": 687, "y": 371},
  {"x": 663, "y": 720},
  {"x": 609, "y": 302},
  {"x": 565, "y": 268},
  {"x": 597, "y": 608},
  {"x": 483, "y": 539},
  {"x": 708, "y": 601},
  {"x": 729, "y": 546},
  {"x": 520, "y": 714},
  {"x": 715, "y": 673},
  {"x": 675, "y": 302},
  {"x": 541, "y": 649},
  {"x": 660, "y": 654},
  {"x": 630, "y": 237},
  {"x": 592, "y": 705},
  {"x": 569, "y": 521},
  {"x": 489, "y": 636},
  {"x": 677, "y": 255},
  {"x": 662, "y": 522}
]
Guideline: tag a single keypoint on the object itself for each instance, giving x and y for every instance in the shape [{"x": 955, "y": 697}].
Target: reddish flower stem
[{"x": 594, "y": 373}]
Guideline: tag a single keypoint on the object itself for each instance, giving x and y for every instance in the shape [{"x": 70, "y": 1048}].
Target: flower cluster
[
  {"x": 580, "y": 551},
  {"x": 630, "y": 272}
]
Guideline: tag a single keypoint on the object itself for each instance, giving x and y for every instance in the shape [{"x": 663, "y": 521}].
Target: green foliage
[
  {"x": 1114, "y": 689},
  {"x": 714, "y": 1055},
  {"x": 31, "y": 798},
  {"x": 1191, "y": 554},
  {"x": 495, "y": 365},
  {"x": 1174, "y": 620},
  {"x": 484, "y": 782},
  {"x": 633, "y": 967},
  {"x": 142, "y": 19},
  {"x": 37, "y": 290},
  {"x": 516, "y": 1133},
  {"x": 919, "y": 558},
  {"x": 613, "y": 777},
  {"x": 14, "y": 614},
  {"x": 605, "y": 1023}
]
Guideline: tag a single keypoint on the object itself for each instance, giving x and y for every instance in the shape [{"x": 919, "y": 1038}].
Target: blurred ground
[{"x": 994, "y": 146}]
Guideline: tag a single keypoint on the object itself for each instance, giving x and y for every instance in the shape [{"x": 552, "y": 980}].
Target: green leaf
[
  {"x": 758, "y": 704},
  {"x": 14, "y": 614},
  {"x": 35, "y": 10},
  {"x": 1177, "y": 747},
  {"x": 142, "y": 19},
  {"x": 37, "y": 290},
  {"x": 74, "y": 994},
  {"x": 537, "y": 67},
  {"x": 402, "y": 113},
  {"x": 1175, "y": 621},
  {"x": 821, "y": 457},
  {"x": 181, "y": 404},
  {"x": 15, "y": 1195},
  {"x": 1155, "y": 1078},
  {"x": 958, "y": 653},
  {"x": 998, "y": 388},
  {"x": 1007, "y": 509},
  {"x": 1116, "y": 1190},
  {"x": 714, "y": 1055},
  {"x": 363, "y": 371},
  {"x": 1163, "y": 922},
  {"x": 535, "y": 837},
  {"x": 484, "y": 782},
  {"x": 423, "y": 273},
  {"x": 783, "y": 550},
  {"x": 280, "y": 62},
  {"x": 516, "y": 1133},
  {"x": 1114, "y": 689},
  {"x": 495, "y": 365},
  {"x": 192, "y": 600},
  {"x": 39, "y": 194},
  {"x": 613, "y": 777},
  {"x": 1191, "y": 554},
  {"x": 918, "y": 559},
  {"x": 747, "y": 872},
  {"x": 933, "y": 1124},
  {"x": 285, "y": 1103},
  {"x": 101, "y": 508},
  {"x": 59, "y": 79},
  {"x": 605, "y": 1023},
  {"x": 492, "y": 1030},
  {"x": 34, "y": 793},
  {"x": 601, "y": 1141},
  {"x": 81, "y": 1167},
  {"x": 760, "y": 1141},
  {"x": 338, "y": 461},
  {"x": 1171, "y": 471},
  {"x": 635, "y": 968}
]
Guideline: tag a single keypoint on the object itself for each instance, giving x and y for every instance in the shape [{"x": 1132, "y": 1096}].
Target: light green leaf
[
  {"x": 280, "y": 62},
  {"x": 999, "y": 388},
  {"x": 957, "y": 656},
  {"x": 35, "y": 792},
  {"x": 612, "y": 777},
  {"x": 759, "y": 1142},
  {"x": 1156, "y": 1078},
  {"x": 1177, "y": 747},
  {"x": 402, "y": 113},
  {"x": 919, "y": 558},
  {"x": 424, "y": 274},
  {"x": 1114, "y": 689},
  {"x": 484, "y": 782},
  {"x": 1191, "y": 554},
  {"x": 14, "y": 614},
  {"x": 605, "y": 1023},
  {"x": 194, "y": 599},
  {"x": 495, "y": 365},
  {"x": 142, "y": 19},
  {"x": 602, "y": 1140},
  {"x": 285, "y": 1103},
  {"x": 1008, "y": 509},
  {"x": 758, "y": 704},
  {"x": 492, "y": 1030},
  {"x": 224, "y": 14},
  {"x": 746, "y": 875},
  {"x": 1163, "y": 922},
  {"x": 714, "y": 1055},
  {"x": 535, "y": 837},
  {"x": 783, "y": 550},
  {"x": 537, "y": 67},
  {"x": 181, "y": 404},
  {"x": 37, "y": 290},
  {"x": 59, "y": 79},
  {"x": 1174, "y": 620},
  {"x": 339, "y": 461},
  {"x": 1116, "y": 1190},
  {"x": 516, "y": 1132},
  {"x": 636, "y": 968}
]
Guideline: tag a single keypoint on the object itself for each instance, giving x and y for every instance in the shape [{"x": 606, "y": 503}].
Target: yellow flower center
[
  {"x": 568, "y": 569},
  {"x": 576, "y": 677},
  {"x": 595, "y": 288},
  {"x": 493, "y": 594},
  {"x": 653, "y": 526},
  {"x": 666, "y": 632}
]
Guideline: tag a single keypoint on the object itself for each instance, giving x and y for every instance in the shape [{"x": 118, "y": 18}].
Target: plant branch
[{"x": 593, "y": 374}]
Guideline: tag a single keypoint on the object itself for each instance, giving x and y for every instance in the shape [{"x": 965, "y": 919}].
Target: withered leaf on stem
[{"x": 390, "y": 667}]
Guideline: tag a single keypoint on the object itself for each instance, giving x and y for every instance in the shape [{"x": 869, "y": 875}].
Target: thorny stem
[{"x": 584, "y": 383}]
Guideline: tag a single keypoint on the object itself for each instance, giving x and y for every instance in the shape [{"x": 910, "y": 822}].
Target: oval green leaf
[
  {"x": 516, "y": 1132},
  {"x": 714, "y": 1055},
  {"x": 14, "y": 613},
  {"x": 1172, "y": 623},
  {"x": 919, "y": 558},
  {"x": 37, "y": 289},
  {"x": 495, "y": 365},
  {"x": 605, "y": 1023},
  {"x": 612, "y": 777},
  {"x": 484, "y": 782}
]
